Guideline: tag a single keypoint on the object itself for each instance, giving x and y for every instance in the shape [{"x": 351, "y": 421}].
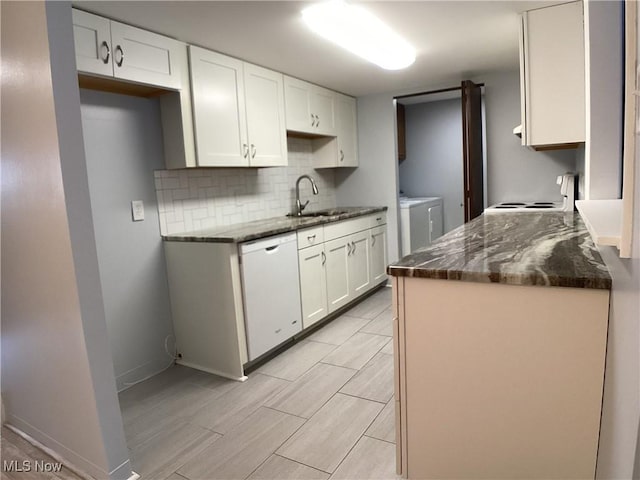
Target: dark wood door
[
  {"x": 472, "y": 149},
  {"x": 402, "y": 142}
]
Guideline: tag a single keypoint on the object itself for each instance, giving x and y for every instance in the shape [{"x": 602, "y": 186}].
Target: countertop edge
[
  {"x": 263, "y": 230},
  {"x": 529, "y": 280},
  {"x": 528, "y": 249}
]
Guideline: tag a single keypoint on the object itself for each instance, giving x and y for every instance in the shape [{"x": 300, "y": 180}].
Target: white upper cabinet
[
  {"x": 217, "y": 87},
  {"x": 238, "y": 112},
  {"x": 105, "y": 47},
  {"x": 309, "y": 108},
  {"x": 552, "y": 75},
  {"x": 341, "y": 150},
  {"x": 347, "y": 131},
  {"x": 92, "y": 38},
  {"x": 264, "y": 95}
]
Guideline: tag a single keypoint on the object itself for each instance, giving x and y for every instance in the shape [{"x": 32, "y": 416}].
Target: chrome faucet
[{"x": 299, "y": 205}]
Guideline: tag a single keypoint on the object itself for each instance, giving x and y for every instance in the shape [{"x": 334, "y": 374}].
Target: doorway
[{"x": 441, "y": 149}]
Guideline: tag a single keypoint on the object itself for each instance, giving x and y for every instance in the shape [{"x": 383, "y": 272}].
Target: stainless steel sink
[{"x": 329, "y": 212}]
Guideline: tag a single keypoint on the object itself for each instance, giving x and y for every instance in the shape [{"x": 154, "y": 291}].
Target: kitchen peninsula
[{"x": 500, "y": 335}]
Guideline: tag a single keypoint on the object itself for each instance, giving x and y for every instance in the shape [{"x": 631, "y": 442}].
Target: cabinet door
[
  {"x": 145, "y": 57},
  {"x": 92, "y": 39},
  {"x": 347, "y": 130},
  {"x": 297, "y": 97},
  {"x": 264, "y": 99},
  {"x": 323, "y": 109},
  {"x": 378, "y": 254},
  {"x": 435, "y": 223},
  {"x": 553, "y": 75},
  {"x": 218, "y": 109},
  {"x": 337, "y": 270},
  {"x": 313, "y": 284},
  {"x": 359, "y": 264}
]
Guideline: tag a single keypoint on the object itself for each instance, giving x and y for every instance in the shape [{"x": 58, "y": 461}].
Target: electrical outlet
[{"x": 137, "y": 210}]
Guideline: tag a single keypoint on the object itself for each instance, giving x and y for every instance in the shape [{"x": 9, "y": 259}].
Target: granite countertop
[
  {"x": 549, "y": 249},
  {"x": 242, "y": 232}
]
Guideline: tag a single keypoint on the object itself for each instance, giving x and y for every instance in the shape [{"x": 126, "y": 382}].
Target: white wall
[
  {"x": 123, "y": 146},
  {"x": 57, "y": 380},
  {"x": 375, "y": 181},
  {"x": 515, "y": 172},
  {"x": 434, "y": 164},
  {"x": 209, "y": 197}
]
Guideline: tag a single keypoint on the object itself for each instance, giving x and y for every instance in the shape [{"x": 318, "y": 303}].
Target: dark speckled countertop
[
  {"x": 243, "y": 232},
  {"x": 549, "y": 249}
]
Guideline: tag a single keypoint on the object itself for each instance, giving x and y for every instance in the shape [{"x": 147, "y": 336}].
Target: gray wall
[
  {"x": 513, "y": 172},
  {"x": 57, "y": 379},
  {"x": 621, "y": 405},
  {"x": 375, "y": 181},
  {"x": 516, "y": 172},
  {"x": 603, "y": 21},
  {"x": 433, "y": 166},
  {"x": 123, "y": 145}
]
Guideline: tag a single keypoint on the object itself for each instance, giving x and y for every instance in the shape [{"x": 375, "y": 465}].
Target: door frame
[{"x": 465, "y": 178}]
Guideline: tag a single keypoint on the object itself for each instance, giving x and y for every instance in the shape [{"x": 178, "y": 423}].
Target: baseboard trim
[
  {"x": 212, "y": 370},
  {"x": 53, "y": 454}
]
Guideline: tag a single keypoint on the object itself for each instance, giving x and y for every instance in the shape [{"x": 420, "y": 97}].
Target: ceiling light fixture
[{"x": 357, "y": 30}]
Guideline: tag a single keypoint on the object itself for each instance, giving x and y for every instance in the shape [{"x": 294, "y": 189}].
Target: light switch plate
[{"x": 137, "y": 210}]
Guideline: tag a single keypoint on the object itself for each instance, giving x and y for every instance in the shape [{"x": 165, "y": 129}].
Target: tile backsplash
[{"x": 198, "y": 198}]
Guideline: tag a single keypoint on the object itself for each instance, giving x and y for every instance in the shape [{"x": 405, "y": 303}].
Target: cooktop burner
[{"x": 515, "y": 207}]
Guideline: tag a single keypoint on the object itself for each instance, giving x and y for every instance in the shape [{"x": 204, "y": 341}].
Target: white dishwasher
[{"x": 271, "y": 292}]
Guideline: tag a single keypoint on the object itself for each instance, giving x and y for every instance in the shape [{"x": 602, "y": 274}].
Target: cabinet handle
[
  {"x": 311, "y": 238},
  {"x": 348, "y": 249},
  {"x": 378, "y": 219},
  {"x": 373, "y": 241},
  {"x": 317, "y": 121},
  {"x": 278, "y": 330},
  {"x": 245, "y": 149},
  {"x": 105, "y": 46},
  {"x": 119, "y": 49},
  {"x": 313, "y": 120},
  {"x": 253, "y": 151},
  {"x": 324, "y": 258},
  {"x": 354, "y": 247},
  {"x": 341, "y": 156}
]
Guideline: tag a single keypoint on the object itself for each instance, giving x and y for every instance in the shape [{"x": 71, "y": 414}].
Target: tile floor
[
  {"x": 19, "y": 459},
  {"x": 322, "y": 409}
]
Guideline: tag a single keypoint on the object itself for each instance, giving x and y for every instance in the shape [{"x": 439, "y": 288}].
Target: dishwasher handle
[{"x": 272, "y": 249}]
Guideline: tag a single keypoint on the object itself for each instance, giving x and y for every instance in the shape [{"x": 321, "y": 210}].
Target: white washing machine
[{"x": 421, "y": 222}]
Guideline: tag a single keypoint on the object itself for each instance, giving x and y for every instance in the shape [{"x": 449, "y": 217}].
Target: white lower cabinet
[
  {"x": 221, "y": 303},
  {"x": 378, "y": 254},
  {"x": 338, "y": 291},
  {"x": 313, "y": 284},
  {"x": 359, "y": 264},
  {"x": 338, "y": 270}
]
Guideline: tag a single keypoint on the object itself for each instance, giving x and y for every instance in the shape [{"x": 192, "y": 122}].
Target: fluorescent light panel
[{"x": 357, "y": 30}]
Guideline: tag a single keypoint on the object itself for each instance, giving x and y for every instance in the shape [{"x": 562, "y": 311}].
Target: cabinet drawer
[
  {"x": 377, "y": 219},
  {"x": 310, "y": 236},
  {"x": 346, "y": 227}
]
